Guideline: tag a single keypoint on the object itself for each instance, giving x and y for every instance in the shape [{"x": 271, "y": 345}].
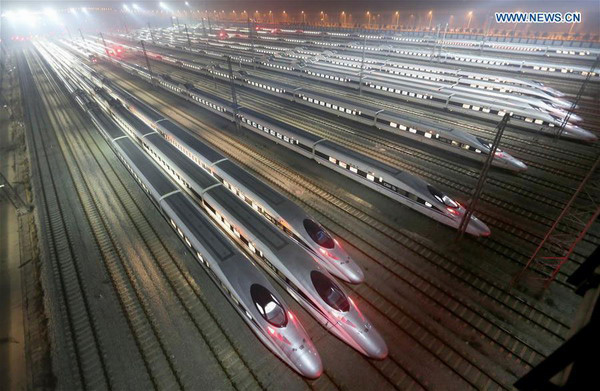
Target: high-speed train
[
  {"x": 297, "y": 271},
  {"x": 490, "y": 44},
  {"x": 559, "y": 70},
  {"x": 254, "y": 298},
  {"x": 482, "y": 100},
  {"x": 421, "y": 130},
  {"x": 463, "y": 78},
  {"x": 401, "y": 186},
  {"x": 428, "y": 132},
  {"x": 534, "y": 117},
  {"x": 278, "y": 209}
]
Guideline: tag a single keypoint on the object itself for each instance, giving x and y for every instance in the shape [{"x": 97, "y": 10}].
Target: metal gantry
[
  {"x": 577, "y": 98},
  {"x": 147, "y": 59},
  {"x": 568, "y": 229},
  {"x": 233, "y": 94},
  {"x": 362, "y": 66},
  {"x": 470, "y": 208}
]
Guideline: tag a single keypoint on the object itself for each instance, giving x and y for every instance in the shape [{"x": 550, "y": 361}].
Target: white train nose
[
  {"x": 478, "y": 228},
  {"x": 354, "y": 273},
  {"x": 308, "y": 363}
]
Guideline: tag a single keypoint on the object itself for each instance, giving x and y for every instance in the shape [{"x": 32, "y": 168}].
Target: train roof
[
  {"x": 113, "y": 131},
  {"x": 153, "y": 174},
  {"x": 347, "y": 103},
  {"x": 189, "y": 168},
  {"x": 209, "y": 153},
  {"x": 282, "y": 125},
  {"x": 252, "y": 183},
  {"x": 357, "y": 156},
  {"x": 270, "y": 82},
  {"x": 213, "y": 240},
  {"x": 139, "y": 105},
  {"x": 135, "y": 121},
  {"x": 210, "y": 96},
  {"x": 245, "y": 215}
]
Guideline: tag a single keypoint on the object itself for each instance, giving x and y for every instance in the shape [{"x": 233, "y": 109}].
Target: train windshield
[
  {"x": 268, "y": 306},
  {"x": 329, "y": 291},
  {"x": 318, "y": 234},
  {"x": 441, "y": 197}
]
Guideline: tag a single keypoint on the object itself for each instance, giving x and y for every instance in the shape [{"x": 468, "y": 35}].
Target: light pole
[
  {"x": 343, "y": 18},
  {"x": 369, "y": 16},
  {"x": 303, "y": 18},
  {"x": 397, "y": 19},
  {"x": 430, "y": 19},
  {"x": 470, "y": 14}
]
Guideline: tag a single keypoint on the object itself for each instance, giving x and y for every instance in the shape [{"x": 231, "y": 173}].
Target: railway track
[
  {"x": 80, "y": 340},
  {"x": 372, "y": 294}
]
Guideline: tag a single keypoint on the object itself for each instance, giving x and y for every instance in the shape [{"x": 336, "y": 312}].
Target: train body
[
  {"x": 296, "y": 270},
  {"x": 406, "y": 193},
  {"x": 272, "y": 205},
  {"x": 252, "y": 296}
]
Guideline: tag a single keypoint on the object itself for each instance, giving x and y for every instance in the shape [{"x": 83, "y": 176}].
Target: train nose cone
[
  {"x": 354, "y": 273},
  {"x": 478, "y": 228},
  {"x": 577, "y": 133},
  {"x": 309, "y": 363},
  {"x": 374, "y": 345},
  {"x": 518, "y": 165}
]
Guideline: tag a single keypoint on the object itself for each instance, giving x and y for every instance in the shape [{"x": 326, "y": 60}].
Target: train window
[
  {"x": 329, "y": 291},
  {"x": 318, "y": 234},
  {"x": 441, "y": 197},
  {"x": 268, "y": 306}
]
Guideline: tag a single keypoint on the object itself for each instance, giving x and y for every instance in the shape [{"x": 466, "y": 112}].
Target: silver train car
[
  {"x": 415, "y": 193},
  {"x": 434, "y": 134},
  {"x": 398, "y": 185},
  {"x": 297, "y": 272},
  {"x": 279, "y": 210},
  {"x": 532, "y": 117},
  {"x": 245, "y": 287}
]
